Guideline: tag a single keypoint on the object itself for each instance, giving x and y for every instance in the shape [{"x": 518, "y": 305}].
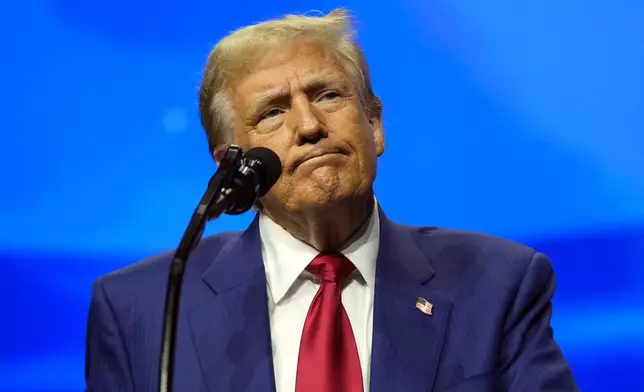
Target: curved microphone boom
[{"x": 233, "y": 189}]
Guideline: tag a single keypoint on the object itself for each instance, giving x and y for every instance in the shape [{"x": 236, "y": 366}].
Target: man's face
[{"x": 299, "y": 102}]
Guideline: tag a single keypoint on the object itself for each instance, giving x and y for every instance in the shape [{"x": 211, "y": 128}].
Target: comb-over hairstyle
[{"x": 234, "y": 52}]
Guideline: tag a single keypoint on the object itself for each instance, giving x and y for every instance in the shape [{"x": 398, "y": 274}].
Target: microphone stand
[{"x": 214, "y": 202}]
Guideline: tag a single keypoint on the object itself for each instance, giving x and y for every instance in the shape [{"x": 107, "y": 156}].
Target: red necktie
[{"x": 328, "y": 360}]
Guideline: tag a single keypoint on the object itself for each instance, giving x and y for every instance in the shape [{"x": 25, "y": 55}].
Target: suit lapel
[
  {"x": 230, "y": 328},
  {"x": 407, "y": 343}
]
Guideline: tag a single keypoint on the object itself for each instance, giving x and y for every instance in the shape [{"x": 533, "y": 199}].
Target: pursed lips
[{"x": 317, "y": 154}]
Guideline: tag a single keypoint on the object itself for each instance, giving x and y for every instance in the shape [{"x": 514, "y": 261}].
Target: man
[{"x": 323, "y": 292}]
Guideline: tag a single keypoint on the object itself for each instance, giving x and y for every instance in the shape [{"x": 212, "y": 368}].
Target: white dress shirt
[{"x": 291, "y": 290}]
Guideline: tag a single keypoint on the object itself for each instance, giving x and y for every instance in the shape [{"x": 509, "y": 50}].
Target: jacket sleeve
[
  {"x": 107, "y": 364},
  {"x": 531, "y": 359}
]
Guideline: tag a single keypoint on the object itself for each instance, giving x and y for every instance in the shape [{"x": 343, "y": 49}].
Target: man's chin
[{"x": 320, "y": 198}]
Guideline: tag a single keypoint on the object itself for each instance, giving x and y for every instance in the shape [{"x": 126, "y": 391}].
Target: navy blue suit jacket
[{"x": 489, "y": 329}]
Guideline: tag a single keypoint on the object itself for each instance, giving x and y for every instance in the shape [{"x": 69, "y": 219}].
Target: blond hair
[{"x": 235, "y": 51}]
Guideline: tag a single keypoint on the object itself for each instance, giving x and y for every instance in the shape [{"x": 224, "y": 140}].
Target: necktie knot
[{"x": 331, "y": 267}]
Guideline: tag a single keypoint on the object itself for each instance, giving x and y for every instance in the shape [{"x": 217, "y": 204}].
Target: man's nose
[{"x": 306, "y": 121}]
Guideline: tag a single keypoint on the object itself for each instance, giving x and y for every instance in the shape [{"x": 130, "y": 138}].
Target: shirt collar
[{"x": 286, "y": 257}]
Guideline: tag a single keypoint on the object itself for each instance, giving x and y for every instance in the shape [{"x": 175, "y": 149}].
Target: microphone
[
  {"x": 259, "y": 170},
  {"x": 233, "y": 189}
]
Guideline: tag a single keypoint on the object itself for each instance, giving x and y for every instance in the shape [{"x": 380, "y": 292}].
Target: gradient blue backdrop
[{"x": 520, "y": 119}]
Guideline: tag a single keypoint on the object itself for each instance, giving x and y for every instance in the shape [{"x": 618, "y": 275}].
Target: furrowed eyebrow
[
  {"x": 278, "y": 94},
  {"x": 266, "y": 98},
  {"x": 321, "y": 81}
]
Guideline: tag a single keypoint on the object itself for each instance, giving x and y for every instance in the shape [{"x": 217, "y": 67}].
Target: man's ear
[
  {"x": 376, "y": 125},
  {"x": 218, "y": 152}
]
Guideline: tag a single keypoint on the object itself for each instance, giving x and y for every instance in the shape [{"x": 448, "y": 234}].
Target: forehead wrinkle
[
  {"x": 294, "y": 77},
  {"x": 266, "y": 96},
  {"x": 323, "y": 77},
  {"x": 315, "y": 56},
  {"x": 297, "y": 66},
  {"x": 271, "y": 91}
]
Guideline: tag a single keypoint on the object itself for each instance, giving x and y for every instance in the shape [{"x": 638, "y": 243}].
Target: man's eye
[
  {"x": 329, "y": 95},
  {"x": 271, "y": 113}
]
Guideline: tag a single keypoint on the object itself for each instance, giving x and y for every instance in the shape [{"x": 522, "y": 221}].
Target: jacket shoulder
[
  {"x": 154, "y": 270},
  {"x": 462, "y": 254},
  {"x": 461, "y": 243}
]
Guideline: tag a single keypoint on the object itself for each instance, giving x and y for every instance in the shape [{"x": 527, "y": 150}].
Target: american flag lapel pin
[{"x": 424, "y": 306}]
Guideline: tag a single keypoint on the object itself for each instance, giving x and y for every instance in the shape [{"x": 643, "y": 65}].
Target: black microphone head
[{"x": 271, "y": 167}]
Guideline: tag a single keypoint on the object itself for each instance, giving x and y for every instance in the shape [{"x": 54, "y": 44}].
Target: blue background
[{"x": 520, "y": 119}]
